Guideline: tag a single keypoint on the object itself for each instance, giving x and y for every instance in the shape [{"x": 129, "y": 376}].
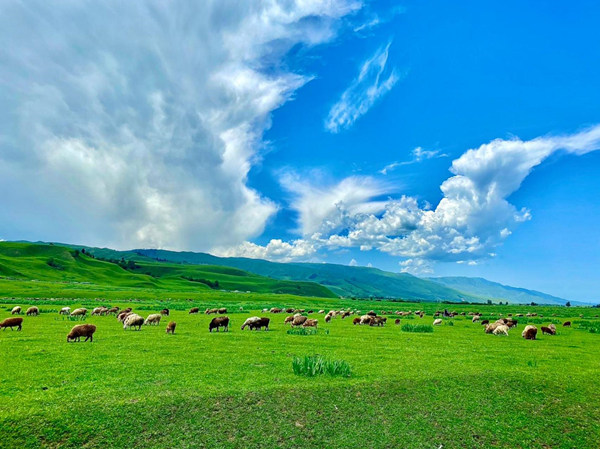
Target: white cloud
[
  {"x": 136, "y": 123},
  {"x": 470, "y": 221},
  {"x": 353, "y": 263},
  {"x": 418, "y": 155},
  {"x": 371, "y": 84}
]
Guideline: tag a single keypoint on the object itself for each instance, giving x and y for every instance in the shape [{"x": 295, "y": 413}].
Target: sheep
[
  {"x": 16, "y": 310},
  {"x": 366, "y": 319},
  {"x": 194, "y": 310},
  {"x": 33, "y": 311},
  {"x": 209, "y": 311},
  {"x": 288, "y": 310},
  {"x": 475, "y": 318},
  {"x": 490, "y": 328},
  {"x": 165, "y": 312},
  {"x": 552, "y": 326},
  {"x": 311, "y": 323},
  {"x": 98, "y": 311},
  {"x": 82, "y": 330},
  {"x": 529, "y": 333},
  {"x": 217, "y": 322},
  {"x": 371, "y": 313},
  {"x": 65, "y": 311},
  {"x": 113, "y": 310},
  {"x": 397, "y": 321},
  {"x": 328, "y": 317},
  {"x": 153, "y": 319},
  {"x": 127, "y": 310},
  {"x": 299, "y": 320},
  {"x": 547, "y": 330},
  {"x": 12, "y": 322},
  {"x": 132, "y": 321},
  {"x": 356, "y": 321},
  {"x": 171, "y": 327},
  {"x": 250, "y": 321},
  {"x": 123, "y": 316},
  {"x": 81, "y": 312},
  {"x": 437, "y": 322},
  {"x": 567, "y": 324},
  {"x": 484, "y": 322},
  {"x": 321, "y": 311},
  {"x": 512, "y": 323},
  {"x": 345, "y": 314},
  {"x": 378, "y": 321},
  {"x": 222, "y": 311},
  {"x": 501, "y": 330},
  {"x": 262, "y": 322},
  {"x": 275, "y": 310}
]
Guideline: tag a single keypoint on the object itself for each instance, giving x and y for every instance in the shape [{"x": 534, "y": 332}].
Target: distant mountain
[{"x": 498, "y": 292}]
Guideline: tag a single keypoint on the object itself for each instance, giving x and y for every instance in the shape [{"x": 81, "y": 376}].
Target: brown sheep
[
  {"x": 165, "y": 312},
  {"x": 123, "y": 315},
  {"x": 194, "y": 310},
  {"x": 299, "y": 320},
  {"x": 395, "y": 322},
  {"x": 529, "y": 333},
  {"x": 345, "y": 314},
  {"x": 311, "y": 323},
  {"x": 288, "y": 319},
  {"x": 276, "y": 310},
  {"x": 328, "y": 318},
  {"x": 378, "y": 321},
  {"x": 33, "y": 311},
  {"x": 371, "y": 313},
  {"x": 16, "y": 310},
  {"x": 209, "y": 311},
  {"x": 82, "y": 330},
  {"x": 262, "y": 322},
  {"x": 547, "y": 330},
  {"x": 79, "y": 312},
  {"x": 171, "y": 327},
  {"x": 217, "y": 322},
  {"x": 288, "y": 310},
  {"x": 567, "y": 324},
  {"x": 356, "y": 321},
  {"x": 222, "y": 310},
  {"x": 484, "y": 322},
  {"x": 113, "y": 311},
  {"x": 12, "y": 322},
  {"x": 127, "y": 310}
]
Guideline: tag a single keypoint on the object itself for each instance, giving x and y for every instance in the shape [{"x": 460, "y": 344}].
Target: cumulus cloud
[
  {"x": 136, "y": 123},
  {"x": 372, "y": 83},
  {"x": 472, "y": 219}
]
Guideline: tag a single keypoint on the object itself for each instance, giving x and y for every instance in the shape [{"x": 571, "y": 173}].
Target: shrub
[
  {"x": 422, "y": 328},
  {"x": 315, "y": 365}
]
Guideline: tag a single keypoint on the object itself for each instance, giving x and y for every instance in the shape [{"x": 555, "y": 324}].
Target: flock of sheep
[{"x": 132, "y": 320}]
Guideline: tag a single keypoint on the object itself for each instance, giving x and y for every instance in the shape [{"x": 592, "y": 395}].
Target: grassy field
[{"x": 456, "y": 387}]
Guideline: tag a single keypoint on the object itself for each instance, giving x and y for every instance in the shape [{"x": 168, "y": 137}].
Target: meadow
[{"x": 453, "y": 388}]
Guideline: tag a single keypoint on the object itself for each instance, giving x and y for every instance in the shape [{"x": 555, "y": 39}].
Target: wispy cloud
[
  {"x": 372, "y": 83},
  {"x": 419, "y": 155}
]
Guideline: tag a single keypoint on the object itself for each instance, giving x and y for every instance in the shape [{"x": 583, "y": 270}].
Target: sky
[{"x": 434, "y": 138}]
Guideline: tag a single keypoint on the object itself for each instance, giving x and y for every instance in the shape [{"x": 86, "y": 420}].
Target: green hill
[{"x": 56, "y": 263}]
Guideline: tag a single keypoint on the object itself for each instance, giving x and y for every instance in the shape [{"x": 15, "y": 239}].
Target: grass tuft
[
  {"x": 419, "y": 328},
  {"x": 315, "y": 365}
]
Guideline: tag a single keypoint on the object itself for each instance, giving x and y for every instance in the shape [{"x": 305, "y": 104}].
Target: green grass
[
  {"x": 456, "y": 387},
  {"x": 418, "y": 328},
  {"x": 316, "y": 365}
]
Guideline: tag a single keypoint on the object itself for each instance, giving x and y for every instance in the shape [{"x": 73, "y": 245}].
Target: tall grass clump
[
  {"x": 302, "y": 331},
  {"x": 421, "y": 328},
  {"x": 315, "y": 365}
]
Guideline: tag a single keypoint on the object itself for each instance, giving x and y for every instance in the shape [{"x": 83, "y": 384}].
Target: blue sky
[{"x": 335, "y": 132}]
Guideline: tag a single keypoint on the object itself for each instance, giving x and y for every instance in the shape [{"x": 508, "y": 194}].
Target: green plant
[
  {"x": 419, "y": 328},
  {"x": 315, "y": 365}
]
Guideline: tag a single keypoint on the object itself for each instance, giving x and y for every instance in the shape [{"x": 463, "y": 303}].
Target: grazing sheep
[
  {"x": 165, "y": 312},
  {"x": 288, "y": 319},
  {"x": 127, "y": 310},
  {"x": 98, "y": 311},
  {"x": 437, "y": 322},
  {"x": 113, "y": 310},
  {"x": 65, "y": 311},
  {"x": 311, "y": 323},
  {"x": 222, "y": 311},
  {"x": 397, "y": 321},
  {"x": 194, "y": 310},
  {"x": 529, "y": 333},
  {"x": 250, "y": 321},
  {"x": 490, "y": 328},
  {"x": 209, "y": 311},
  {"x": 547, "y": 330},
  {"x": 82, "y": 330},
  {"x": 328, "y": 317},
  {"x": 378, "y": 321},
  {"x": 153, "y": 319},
  {"x": 501, "y": 330},
  {"x": 371, "y": 313},
  {"x": 132, "y": 321},
  {"x": 217, "y": 322},
  {"x": 298, "y": 320},
  {"x": 366, "y": 319},
  {"x": 79, "y": 312},
  {"x": 321, "y": 311},
  {"x": 275, "y": 310},
  {"x": 262, "y": 322},
  {"x": 356, "y": 321},
  {"x": 345, "y": 314},
  {"x": 123, "y": 315},
  {"x": 567, "y": 324},
  {"x": 288, "y": 310},
  {"x": 512, "y": 323},
  {"x": 171, "y": 327},
  {"x": 33, "y": 311},
  {"x": 12, "y": 322},
  {"x": 16, "y": 310},
  {"x": 552, "y": 326},
  {"x": 475, "y": 318},
  {"x": 484, "y": 322}
]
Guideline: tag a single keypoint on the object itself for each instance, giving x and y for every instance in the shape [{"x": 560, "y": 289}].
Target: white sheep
[
  {"x": 16, "y": 310},
  {"x": 79, "y": 312},
  {"x": 153, "y": 319},
  {"x": 437, "y": 322},
  {"x": 476, "y": 318},
  {"x": 501, "y": 330},
  {"x": 250, "y": 321},
  {"x": 65, "y": 311},
  {"x": 133, "y": 320}
]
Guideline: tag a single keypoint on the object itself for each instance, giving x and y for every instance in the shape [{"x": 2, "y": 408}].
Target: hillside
[
  {"x": 56, "y": 263},
  {"x": 496, "y": 291}
]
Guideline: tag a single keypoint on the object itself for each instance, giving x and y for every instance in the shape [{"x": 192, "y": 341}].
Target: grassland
[{"x": 456, "y": 387}]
